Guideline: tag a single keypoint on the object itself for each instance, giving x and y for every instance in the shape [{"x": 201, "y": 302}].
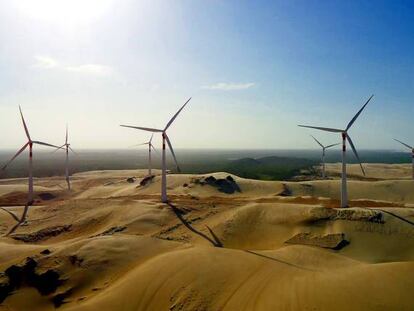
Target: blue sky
[{"x": 255, "y": 70}]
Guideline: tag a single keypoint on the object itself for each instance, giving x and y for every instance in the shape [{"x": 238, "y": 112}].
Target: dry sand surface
[
  {"x": 372, "y": 170},
  {"x": 111, "y": 245}
]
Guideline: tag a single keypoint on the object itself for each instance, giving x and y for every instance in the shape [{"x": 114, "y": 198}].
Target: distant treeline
[
  {"x": 266, "y": 168},
  {"x": 255, "y": 164}
]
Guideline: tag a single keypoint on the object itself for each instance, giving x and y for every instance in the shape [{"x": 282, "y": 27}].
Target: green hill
[{"x": 268, "y": 168}]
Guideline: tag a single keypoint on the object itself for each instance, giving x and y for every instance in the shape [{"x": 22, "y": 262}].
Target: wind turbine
[
  {"x": 66, "y": 146},
  {"x": 150, "y": 147},
  {"x": 323, "y": 154},
  {"x": 29, "y": 144},
  {"x": 409, "y": 147},
  {"x": 345, "y": 137},
  {"x": 165, "y": 138}
]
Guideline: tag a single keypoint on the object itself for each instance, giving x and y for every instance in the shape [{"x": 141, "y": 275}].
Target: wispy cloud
[
  {"x": 93, "y": 69},
  {"x": 229, "y": 86},
  {"x": 46, "y": 62}
]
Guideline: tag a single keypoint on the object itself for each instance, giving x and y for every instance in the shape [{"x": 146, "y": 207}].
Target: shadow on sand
[
  {"x": 396, "y": 216},
  {"x": 20, "y": 221},
  {"x": 278, "y": 260},
  {"x": 214, "y": 241}
]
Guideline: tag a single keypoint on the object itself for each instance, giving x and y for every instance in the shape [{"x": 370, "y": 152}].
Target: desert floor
[{"x": 111, "y": 245}]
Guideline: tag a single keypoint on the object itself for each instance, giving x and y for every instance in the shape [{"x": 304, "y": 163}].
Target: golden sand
[{"x": 121, "y": 249}]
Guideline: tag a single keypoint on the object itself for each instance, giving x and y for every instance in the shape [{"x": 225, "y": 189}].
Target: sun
[{"x": 64, "y": 11}]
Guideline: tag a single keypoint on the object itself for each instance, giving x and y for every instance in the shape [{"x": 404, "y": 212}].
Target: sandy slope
[
  {"x": 372, "y": 170},
  {"x": 123, "y": 250}
]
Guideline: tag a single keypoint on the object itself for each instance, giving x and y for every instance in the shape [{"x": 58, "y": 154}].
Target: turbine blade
[
  {"x": 155, "y": 150},
  {"x": 66, "y": 140},
  {"x": 15, "y": 156},
  {"x": 24, "y": 124},
  {"x": 356, "y": 153},
  {"x": 70, "y": 148},
  {"x": 408, "y": 146},
  {"x": 44, "y": 144},
  {"x": 172, "y": 152},
  {"x": 143, "y": 128},
  {"x": 61, "y": 147},
  {"x": 317, "y": 141},
  {"x": 175, "y": 116},
  {"x": 358, "y": 113},
  {"x": 329, "y": 146},
  {"x": 327, "y": 129},
  {"x": 138, "y": 145},
  {"x": 151, "y": 138}
]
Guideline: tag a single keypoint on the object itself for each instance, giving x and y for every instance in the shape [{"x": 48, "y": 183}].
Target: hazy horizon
[{"x": 47, "y": 163}]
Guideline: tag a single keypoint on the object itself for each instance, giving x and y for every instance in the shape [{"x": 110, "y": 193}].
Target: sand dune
[
  {"x": 373, "y": 170},
  {"x": 114, "y": 246}
]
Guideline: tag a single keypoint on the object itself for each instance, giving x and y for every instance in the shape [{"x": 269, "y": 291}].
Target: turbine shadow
[
  {"x": 278, "y": 260},
  {"x": 20, "y": 221},
  {"x": 11, "y": 214},
  {"x": 215, "y": 241},
  {"x": 396, "y": 216}
]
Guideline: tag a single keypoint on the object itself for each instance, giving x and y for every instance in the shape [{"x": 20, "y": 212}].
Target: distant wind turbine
[
  {"x": 150, "y": 147},
  {"x": 323, "y": 154},
  {"x": 29, "y": 144},
  {"x": 345, "y": 137},
  {"x": 412, "y": 151},
  {"x": 165, "y": 138},
  {"x": 66, "y": 146}
]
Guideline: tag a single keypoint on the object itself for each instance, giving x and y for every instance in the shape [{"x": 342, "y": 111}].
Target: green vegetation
[
  {"x": 268, "y": 168},
  {"x": 253, "y": 164}
]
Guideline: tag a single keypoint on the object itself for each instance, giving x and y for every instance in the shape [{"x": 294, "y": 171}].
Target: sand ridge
[{"x": 122, "y": 249}]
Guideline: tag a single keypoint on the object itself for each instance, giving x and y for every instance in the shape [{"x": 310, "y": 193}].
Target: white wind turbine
[
  {"x": 345, "y": 137},
  {"x": 412, "y": 151},
  {"x": 66, "y": 146},
  {"x": 165, "y": 138},
  {"x": 29, "y": 144},
  {"x": 150, "y": 148},
  {"x": 323, "y": 154}
]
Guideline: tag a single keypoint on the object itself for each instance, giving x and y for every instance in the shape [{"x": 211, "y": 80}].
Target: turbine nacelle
[
  {"x": 345, "y": 138},
  {"x": 66, "y": 147},
  {"x": 163, "y": 132},
  {"x": 29, "y": 144},
  {"x": 344, "y": 132},
  {"x": 322, "y": 146},
  {"x": 165, "y": 139}
]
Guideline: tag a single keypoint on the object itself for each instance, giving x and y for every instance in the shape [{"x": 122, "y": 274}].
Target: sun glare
[{"x": 64, "y": 11}]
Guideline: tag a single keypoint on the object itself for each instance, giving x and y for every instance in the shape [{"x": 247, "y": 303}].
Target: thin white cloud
[
  {"x": 92, "y": 69},
  {"x": 229, "y": 86},
  {"x": 46, "y": 62}
]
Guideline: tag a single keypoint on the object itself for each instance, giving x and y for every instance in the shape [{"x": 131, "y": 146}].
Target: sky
[{"x": 254, "y": 70}]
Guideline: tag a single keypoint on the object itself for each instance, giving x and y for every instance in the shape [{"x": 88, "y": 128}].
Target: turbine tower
[
  {"x": 323, "y": 154},
  {"x": 66, "y": 146},
  {"x": 150, "y": 147},
  {"x": 345, "y": 137},
  {"x": 412, "y": 151},
  {"x": 29, "y": 144},
  {"x": 165, "y": 139}
]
